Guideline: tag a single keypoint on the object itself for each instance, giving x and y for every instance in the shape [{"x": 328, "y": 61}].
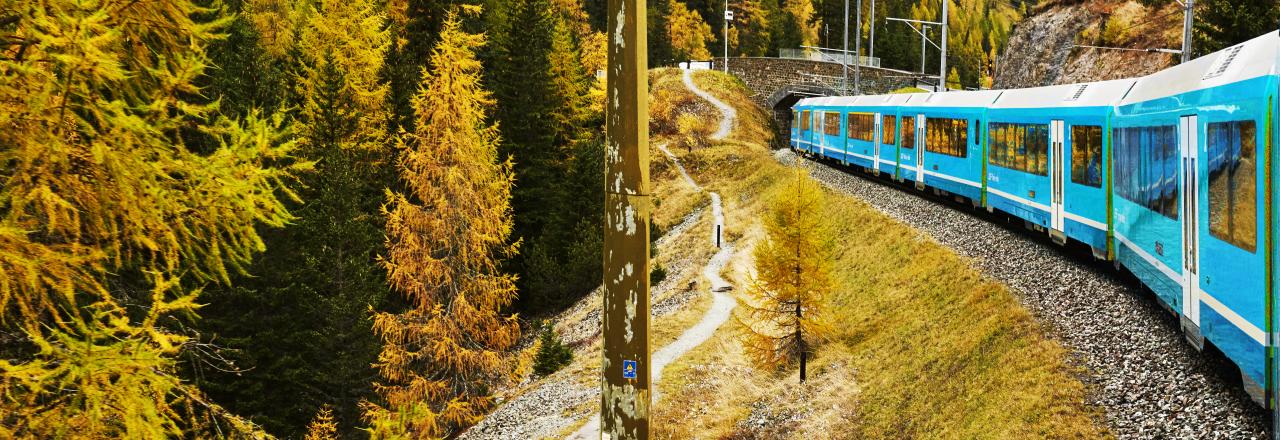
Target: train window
[
  {"x": 831, "y": 124},
  {"x": 1086, "y": 155},
  {"x": 862, "y": 126},
  {"x": 1020, "y": 147},
  {"x": 1146, "y": 167},
  {"x": 888, "y": 129},
  {"x": 908, "y": 132},
  {"x": 804, "y": 121},
  {"x": 1233, "y": 192},
  {"x": 948, "y": 136}
]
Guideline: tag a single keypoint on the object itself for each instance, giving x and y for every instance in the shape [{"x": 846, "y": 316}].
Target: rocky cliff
[{"x": 1043, "y": 49}]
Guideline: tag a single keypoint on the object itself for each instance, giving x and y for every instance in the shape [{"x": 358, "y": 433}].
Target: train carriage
[
  {"x": 1191, "y": 149},
  {"x": 1047, "y": 165},
  {"x": 948, "y": 140},
  {"x": 872, "y": 132}
]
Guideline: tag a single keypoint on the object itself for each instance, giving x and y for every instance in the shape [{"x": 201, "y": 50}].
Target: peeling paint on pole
[{"x": 625, "y": 395}]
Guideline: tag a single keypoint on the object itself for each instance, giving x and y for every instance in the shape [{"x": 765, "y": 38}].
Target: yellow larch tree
[
  {"x": 802, "y": 12},
  {"x": 110, "y": 224},
  {"x": 783, "y": 322},
  {"x": 688, "y": 33},
  {"x": 278, "y": 23},
  {"x": 447, "y": 234}
]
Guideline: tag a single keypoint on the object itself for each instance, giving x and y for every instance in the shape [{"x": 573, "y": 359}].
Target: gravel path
[
  {"x": 730, "y": 114},
  {"x": 1147, "y": 380}
]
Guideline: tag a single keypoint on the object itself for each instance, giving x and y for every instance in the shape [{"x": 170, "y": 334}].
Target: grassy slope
[{"x": 925, "y": 346}]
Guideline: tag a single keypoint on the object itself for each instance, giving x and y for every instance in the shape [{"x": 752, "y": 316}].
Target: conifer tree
[
  {"x": 320, "y": 275},
  {"x": 750, "y": 32},
  {"x": 802, "y": 15},
  {"x": 1222, "y": 23},
  {"x": 110, "y": 225},
  {"x": 793, "y": 278},
  {"x": 446, "y": 236},
  {"x": 688, "y": 33}
]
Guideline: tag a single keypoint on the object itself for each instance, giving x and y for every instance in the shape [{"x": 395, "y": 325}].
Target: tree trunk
[{"x": 804, "y": 351}]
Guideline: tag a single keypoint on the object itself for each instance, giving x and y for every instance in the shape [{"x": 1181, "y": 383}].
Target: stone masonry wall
[{"x": 766, "y": 76}]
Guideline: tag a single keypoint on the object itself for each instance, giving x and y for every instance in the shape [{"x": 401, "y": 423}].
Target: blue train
[{"x": 1170, "y": 176}]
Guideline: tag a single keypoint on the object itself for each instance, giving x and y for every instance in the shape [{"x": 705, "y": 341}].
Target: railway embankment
[
  {"x": 1149, "y": 382},
  {"x": 924, "y": 346}
]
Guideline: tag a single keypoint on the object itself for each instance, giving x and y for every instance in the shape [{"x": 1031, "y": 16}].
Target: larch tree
[
  {"x": 802, "y": 12},
  {"x": 688, "y": 33},
  {"x": 783, "y": 322},
  {"x": 110, "y": 225},
  {"x": 447, "y": 236}
]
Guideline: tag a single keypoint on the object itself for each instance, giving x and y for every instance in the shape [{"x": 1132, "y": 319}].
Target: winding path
[{"x": 722, "y": 304}]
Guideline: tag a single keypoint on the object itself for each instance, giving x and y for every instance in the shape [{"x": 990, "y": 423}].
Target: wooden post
[{"x": 625, "y": 387}]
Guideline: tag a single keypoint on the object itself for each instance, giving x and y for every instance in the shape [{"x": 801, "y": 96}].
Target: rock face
[{"x": 1041, "y": 51}]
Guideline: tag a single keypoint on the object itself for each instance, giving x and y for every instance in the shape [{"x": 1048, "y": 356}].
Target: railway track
[{"x": 1145, "y": 378}]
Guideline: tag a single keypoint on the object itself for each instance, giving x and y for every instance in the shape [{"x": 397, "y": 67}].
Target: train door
[
  {"x": 820, "y": 131},
  {"x": 920, "y": 149},
  {"x": 875, "y": 141},
  {"x": 1188, "y": 145},
  {"x": 1057, "y": 160}
]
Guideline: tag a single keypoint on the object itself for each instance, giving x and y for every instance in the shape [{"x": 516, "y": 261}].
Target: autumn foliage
[
  {"x": 784, "y": 320},
  {"x": 447, "y": 233},
  {"x": 110, "y": 224}
]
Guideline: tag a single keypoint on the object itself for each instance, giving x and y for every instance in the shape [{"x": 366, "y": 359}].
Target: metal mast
[
  {"x": 857, "y": 53},
  {"x": 873, "y": 30},
  {"x": 942, "y": 72},
  {"x": 845, "y": 65},
  {"x": 1188, "y": 19},
  {"x": 726, "y": 36},
  {"x": 624, "y": 369}
]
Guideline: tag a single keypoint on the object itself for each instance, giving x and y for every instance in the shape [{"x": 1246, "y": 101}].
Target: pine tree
[
  {"x": 1222, "y": 23},
  {"x": 793, "y": 278},
  {"x": 661, "y": 52},
  {"x": 687, "y": 32},
  {"x": 807, "y": 25},
  {"x": 446, "y": 236},
  {"x": 320, "y": 274},
  {"x": 109, "y": 223},
  {"x": 750, "y": 31},
  {"x": 547, "y": 117}
]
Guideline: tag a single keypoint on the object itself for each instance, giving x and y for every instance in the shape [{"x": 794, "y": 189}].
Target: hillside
[
  {"x": 915, "y": 325},
  {"x": 1041, "y": 48}
]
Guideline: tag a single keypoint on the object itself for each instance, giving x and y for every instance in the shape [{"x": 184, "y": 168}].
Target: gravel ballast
[{"x": 1147, "y": 380}]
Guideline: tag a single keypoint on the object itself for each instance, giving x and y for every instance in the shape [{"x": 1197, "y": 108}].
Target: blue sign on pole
[{"x": 628, "y": 369}]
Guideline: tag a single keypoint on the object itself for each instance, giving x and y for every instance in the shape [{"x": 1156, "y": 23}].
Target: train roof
[
  {"x": 1247, "y": 60},
  {"x": 975, "y": 98},
  {"x": 1094, "y": 94}
]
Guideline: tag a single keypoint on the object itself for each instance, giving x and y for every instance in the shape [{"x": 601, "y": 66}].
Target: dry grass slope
[{"x": 925, "y": 347}]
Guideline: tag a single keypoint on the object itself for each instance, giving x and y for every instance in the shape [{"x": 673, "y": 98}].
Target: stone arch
[{"x": 781, "y": 101}]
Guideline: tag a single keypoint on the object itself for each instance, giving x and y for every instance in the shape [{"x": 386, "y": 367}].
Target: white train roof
[
  {"x": 1094, "y": 94},
  {"x": 977, "y": 98},
  {"x": 1250, "y": 59}
]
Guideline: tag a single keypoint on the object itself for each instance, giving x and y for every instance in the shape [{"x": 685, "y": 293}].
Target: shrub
[{"x": 552, "y": 353}]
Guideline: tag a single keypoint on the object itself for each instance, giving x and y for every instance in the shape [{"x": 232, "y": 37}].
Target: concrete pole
[
  {"x": 1188, "y": 18},
  {"x": 942, "y": 71},
  {"x": 873, "y": 30},
  {"x": 624, "y": 370},
  {"x": 857, "y": 53},
  {"x": 845, "y": 64}
]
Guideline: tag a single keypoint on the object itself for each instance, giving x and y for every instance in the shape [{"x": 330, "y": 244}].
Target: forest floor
[{"x": 924, "y": 345}]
